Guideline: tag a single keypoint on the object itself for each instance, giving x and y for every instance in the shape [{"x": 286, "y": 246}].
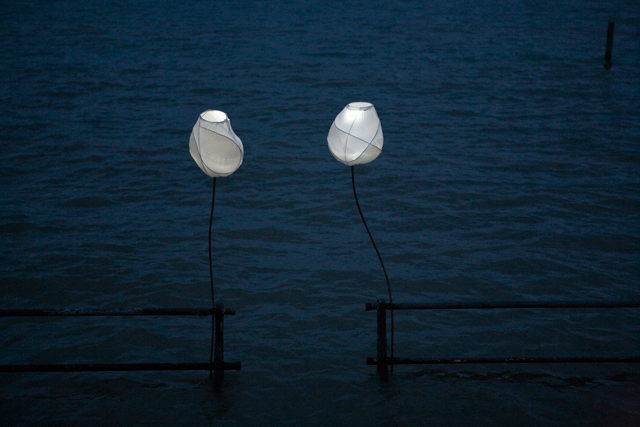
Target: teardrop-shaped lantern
[
  {"x": 214, "y": 146},
  {"x": 355, "y": 137}
]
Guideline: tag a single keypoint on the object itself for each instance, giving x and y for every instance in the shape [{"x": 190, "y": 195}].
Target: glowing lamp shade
[
  {"x": 355, "y": 137},
  {"x": 214, "y": 146}
]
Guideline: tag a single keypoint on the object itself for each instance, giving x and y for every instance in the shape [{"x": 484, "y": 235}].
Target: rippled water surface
[{"x": 509, "y": 172}]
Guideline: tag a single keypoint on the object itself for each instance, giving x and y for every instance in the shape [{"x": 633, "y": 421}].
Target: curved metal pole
[
  {"x": 353, "y": 183},
  {"x": 213, "y": 316}
]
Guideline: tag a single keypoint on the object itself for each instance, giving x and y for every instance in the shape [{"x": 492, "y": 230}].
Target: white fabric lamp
[
  {"x": 218, "y": 152},
  {"x": 355, "y": 137},
  {"x": 214, "y": 146}
]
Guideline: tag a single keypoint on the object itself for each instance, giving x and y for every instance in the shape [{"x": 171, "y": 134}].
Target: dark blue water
[{"x": 509, "y": 172}]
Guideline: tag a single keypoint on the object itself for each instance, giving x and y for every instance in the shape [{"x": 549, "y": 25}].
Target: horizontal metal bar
[
  {"x": 507, "y": 304},
  {"x": 114, "y": 312},
  {"x": 460, "y": 360},
  {"x": 119, "y": 367}
]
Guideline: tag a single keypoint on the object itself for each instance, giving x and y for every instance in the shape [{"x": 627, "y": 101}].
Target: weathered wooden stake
[
  {"x": 607, "y": 55},
  {"x": 382, "y": 341}
]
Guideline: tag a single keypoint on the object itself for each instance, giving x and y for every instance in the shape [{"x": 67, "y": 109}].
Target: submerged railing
[
  {"x": 216, "y": 366},
  {"x": 382, "y": 361}
]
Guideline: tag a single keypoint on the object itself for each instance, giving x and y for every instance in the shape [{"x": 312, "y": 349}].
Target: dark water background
[{"x": 510, "y": 171}]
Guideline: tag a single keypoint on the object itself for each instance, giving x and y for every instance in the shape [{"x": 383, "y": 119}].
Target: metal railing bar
[
  {"x": 114, "y": 312},
  {"x": 461, "y": 360},
  {"x": 501, "y": 305},
  {"x": 118, "y": 367}
]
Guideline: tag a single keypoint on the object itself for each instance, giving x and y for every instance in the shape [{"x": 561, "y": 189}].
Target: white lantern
[
  {"x": 355, "y": 137},
  {"x": 214, "y": 146}
]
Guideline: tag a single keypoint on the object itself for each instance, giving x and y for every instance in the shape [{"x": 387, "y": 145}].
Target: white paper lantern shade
[
  {"x": 218, "y": 151},
  {"x": 355, "y": 137},
  {"x": 214, "y": 146}
]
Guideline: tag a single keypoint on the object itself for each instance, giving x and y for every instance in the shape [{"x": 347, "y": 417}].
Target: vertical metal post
[
  {"x": 218, "y": 361},
  {"x": 382, "y": 340}
]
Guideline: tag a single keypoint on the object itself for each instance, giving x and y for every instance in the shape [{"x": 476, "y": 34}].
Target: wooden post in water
[
  {"x": 382, "y": 341},
  {"x": 607, "y": 55},
  {"x": 218, "y": 361}
]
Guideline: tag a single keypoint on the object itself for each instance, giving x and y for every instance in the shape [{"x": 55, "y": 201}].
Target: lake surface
[{"x": 510, "y": 171}]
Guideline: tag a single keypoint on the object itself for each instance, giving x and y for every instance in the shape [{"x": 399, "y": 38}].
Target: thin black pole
[
  {"x": 382, "y": 342},
  {"x": 353, "y": 183},
  {"x": 213, "y": 199},
  {"x": 218, "y": 371}
]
